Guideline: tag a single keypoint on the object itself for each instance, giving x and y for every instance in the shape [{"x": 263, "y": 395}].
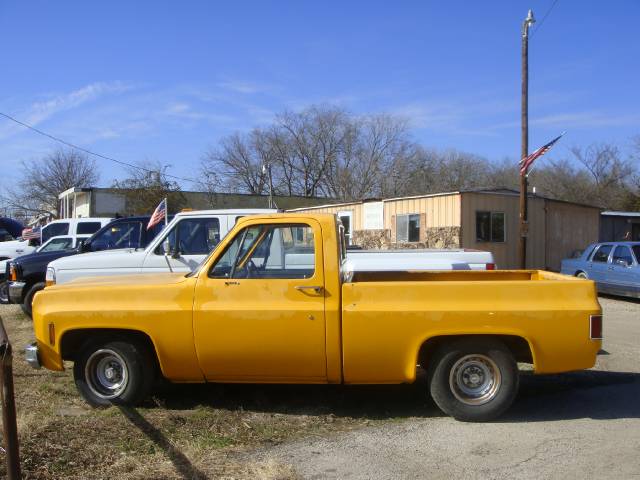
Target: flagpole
[
  {"x": 524, "y": 225},
  {"x": 166, "y": 212}
]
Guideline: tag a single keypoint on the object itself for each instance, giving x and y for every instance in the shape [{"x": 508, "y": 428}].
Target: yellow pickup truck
[{"x": 274, "y": 304}]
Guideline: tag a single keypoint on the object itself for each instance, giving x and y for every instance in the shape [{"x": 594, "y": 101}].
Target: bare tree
[
  {"x": 147, "y": 186},
  {"x": 43, "y": 180}
]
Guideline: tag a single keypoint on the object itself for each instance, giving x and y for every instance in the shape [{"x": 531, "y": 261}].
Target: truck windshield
[{"x": 118, "y": 235}]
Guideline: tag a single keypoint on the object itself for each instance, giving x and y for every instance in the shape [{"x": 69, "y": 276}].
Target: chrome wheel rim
[
  {"x": 475, "y": 379},
  {"x": 106, "y": 374}
]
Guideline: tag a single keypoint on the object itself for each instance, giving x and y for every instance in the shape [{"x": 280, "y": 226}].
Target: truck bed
[
  {"x": 549, "y": 310},
  {"x": 458, "y": 276}
]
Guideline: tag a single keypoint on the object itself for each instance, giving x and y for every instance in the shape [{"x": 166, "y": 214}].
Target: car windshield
[{"x": 57, "y": 244}]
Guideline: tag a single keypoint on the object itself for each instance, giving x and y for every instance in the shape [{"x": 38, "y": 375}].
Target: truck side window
[
  {"x": 119, "y": 235},
  {"x": 269, "y": 251},
  {"x": 193, "y": 236},
  {"x": 54, "y": 230},
  {"x": 87, "y": 228}
]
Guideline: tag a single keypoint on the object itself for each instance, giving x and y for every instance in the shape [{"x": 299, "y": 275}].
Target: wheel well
[
  {"x": 578, "y": 271},
  {"x": 518, "y": 346},
  {"x": 72, "y": 341}
]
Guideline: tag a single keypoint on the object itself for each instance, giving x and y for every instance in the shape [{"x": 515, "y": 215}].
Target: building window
[
  {"x": 408, "y": 228},
  {"x": 490, "y": 227}
]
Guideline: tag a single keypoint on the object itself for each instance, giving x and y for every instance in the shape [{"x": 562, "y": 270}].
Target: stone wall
[{"x": 435, "y": 237}]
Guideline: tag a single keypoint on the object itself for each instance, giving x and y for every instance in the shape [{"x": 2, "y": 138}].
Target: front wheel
[
  {"x": 27, "y": 304},
  {"x": 118, "y": 372},
  {"x": 582, "y": 275},
  {"x": 473, "y": 380}
]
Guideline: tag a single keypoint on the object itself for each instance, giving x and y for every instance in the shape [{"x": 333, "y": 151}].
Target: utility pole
[{"x": 524, "y": 225}]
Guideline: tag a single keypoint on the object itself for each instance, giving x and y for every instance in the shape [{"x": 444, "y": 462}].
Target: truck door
[
  {"x": 259, "y": 312},
  {"x": 186, "y": 244}
]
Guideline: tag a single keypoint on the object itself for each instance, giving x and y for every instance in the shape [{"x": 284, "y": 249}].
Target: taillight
[
  {"x": 13, "y": 272},
  {"x": 491, "y": 266},
  {"x": 595, "y": 327}
]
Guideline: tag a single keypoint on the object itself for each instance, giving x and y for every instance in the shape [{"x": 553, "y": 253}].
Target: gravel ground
[{"x": 577, "y": 425}]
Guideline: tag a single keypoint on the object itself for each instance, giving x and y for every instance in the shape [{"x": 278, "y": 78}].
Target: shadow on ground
[
  {"x": 619, "y": 298},
  {"x": 587, "y": 394}
]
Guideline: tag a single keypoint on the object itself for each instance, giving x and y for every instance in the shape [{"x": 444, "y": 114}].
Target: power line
[
  {"x": 89, "y": 152},
  {"x": 544, "y": 17}
]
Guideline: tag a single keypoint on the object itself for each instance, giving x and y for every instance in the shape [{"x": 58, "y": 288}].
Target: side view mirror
[
  {"x": 85, "y": 246},
  {"x": 175, "y": 253}
]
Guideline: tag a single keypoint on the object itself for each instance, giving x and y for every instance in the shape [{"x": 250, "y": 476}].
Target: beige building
[{"x": 480, "y": 219}]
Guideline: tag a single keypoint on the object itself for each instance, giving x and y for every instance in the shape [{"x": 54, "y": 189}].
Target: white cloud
[
  {"x": 39, "y": 111},
  {"x": 247, "y": 88}
]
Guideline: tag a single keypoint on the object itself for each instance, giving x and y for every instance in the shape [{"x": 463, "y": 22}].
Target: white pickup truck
[
  {"x": 191, "y": 236},
  {"x": 180, "y": 247}
]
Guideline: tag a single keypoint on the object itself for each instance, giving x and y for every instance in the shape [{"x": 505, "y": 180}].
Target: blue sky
[{"x": 164, "y": 81}]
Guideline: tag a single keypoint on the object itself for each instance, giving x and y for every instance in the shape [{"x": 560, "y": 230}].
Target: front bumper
[
  {"x": 31, "y": 355},
  {"x": 15, "y": 291}
]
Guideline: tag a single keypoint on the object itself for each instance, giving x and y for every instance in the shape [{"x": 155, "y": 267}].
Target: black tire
[
  {"x": 581, "y": 275},
  {"x": 473, "y": 379},
  {"x": 132, "y": 374},
  {"x": 28, "y": 298}
]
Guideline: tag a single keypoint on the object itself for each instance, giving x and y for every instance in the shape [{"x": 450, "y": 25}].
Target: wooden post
[{"x": 9, "y": 424}]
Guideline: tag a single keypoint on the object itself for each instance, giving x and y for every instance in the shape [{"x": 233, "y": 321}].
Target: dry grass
[{"x": 196, "y": 431}]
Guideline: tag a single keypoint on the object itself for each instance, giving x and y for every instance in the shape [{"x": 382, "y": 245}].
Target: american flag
[
  {"x": 526, "y": 162},
  {"x": 159, "y": 215},
  {"x": 31, "y": 233}
]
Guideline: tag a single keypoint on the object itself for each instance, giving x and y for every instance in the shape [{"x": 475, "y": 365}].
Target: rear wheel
[
  {"x": 581, "y": 275},
  {"x": 473, "y": 380},
  {"x": 118, "y": 372},
  {"x": 28, "y": 298}
]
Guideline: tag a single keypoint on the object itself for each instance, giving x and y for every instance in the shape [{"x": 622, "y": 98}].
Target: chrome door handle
[{"x": 316, "y": 289}]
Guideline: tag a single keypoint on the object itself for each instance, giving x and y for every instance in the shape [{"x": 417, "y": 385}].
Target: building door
[
  {"x": 346, "y": 217},
  {"x": 635, "y": 232}
]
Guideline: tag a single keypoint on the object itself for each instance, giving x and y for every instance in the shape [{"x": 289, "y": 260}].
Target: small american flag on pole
[
  {"x": 526, "y": 162},
  {"x": 159, "y": 214},
  {"x": 31, "y": 233}
]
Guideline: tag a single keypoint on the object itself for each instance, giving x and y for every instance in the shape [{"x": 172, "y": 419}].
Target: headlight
[
  {"x": 50, "y": 277},
  {"x": 13, "y": 272}
]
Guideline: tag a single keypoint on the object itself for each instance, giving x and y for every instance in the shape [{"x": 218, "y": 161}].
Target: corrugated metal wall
[
  {"x": 505, "y": 254},
  {"x": 354, "y": 208},
  {"x": 556, "y": 229},
  {"x": 440, "y": 211},
  {"x": 569, "y": 227}
]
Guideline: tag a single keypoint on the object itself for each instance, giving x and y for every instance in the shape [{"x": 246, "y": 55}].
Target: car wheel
[
  {"x": 473, "y": 380},
  {"x": 582, "y": 275},
  {"x": 119, "y": 372},
  {"x": 28, "y": 298}
]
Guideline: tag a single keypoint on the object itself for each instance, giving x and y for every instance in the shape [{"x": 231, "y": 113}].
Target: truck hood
[
  {"x": 124, "y": 281},
  {"x": 43, "y": 257},
  {"x": 123, "y": 258}
]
